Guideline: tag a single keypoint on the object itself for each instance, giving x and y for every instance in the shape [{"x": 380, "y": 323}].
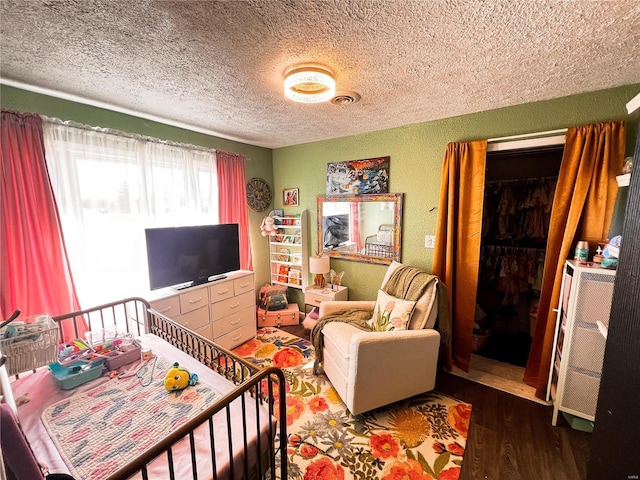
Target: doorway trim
[{"x": 527, "y": 140}]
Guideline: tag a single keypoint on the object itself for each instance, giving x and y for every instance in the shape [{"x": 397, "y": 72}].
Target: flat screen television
[{"x": 191, "y": 255}]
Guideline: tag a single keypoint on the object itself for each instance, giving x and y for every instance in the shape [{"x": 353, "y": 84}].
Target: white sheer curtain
[{"x": 109, "y": 187}]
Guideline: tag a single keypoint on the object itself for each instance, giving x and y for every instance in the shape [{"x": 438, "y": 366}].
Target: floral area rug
[{"x": 421, "y": 438}]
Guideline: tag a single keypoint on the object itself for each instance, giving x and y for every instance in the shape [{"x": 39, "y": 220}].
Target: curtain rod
[
  {"x": 121, "y": 133},
  {"x": 527, "y": 135}
]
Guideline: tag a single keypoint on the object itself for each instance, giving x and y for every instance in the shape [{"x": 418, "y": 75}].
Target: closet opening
[{"x": 519, "y": 189}]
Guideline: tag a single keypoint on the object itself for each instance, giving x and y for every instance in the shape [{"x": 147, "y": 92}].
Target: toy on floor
[{"x": 179, "y": 378}]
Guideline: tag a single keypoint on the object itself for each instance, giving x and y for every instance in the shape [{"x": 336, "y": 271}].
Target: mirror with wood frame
[{"x": 362, "y": 228}]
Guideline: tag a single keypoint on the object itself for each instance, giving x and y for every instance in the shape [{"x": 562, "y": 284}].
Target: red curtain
[
  {"x": 232, "y": 194},
  {"x": 35, "y": 276}
]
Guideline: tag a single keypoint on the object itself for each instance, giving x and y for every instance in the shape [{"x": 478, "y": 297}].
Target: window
[{"x": 109, "y": 187}]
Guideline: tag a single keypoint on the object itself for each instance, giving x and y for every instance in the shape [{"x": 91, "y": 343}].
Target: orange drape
[
  {"x": 582, "y": 209},
  {"x": 457, "y": 249}
]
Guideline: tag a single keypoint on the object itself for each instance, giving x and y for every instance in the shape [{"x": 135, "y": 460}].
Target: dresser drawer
[
  {"x": 194, "y": 319},
  {"x": 224, "y": 325},
  {"x": 221, "y": 291},
  {"x": 169, "y": 307},
  {"x": 244, "y": 284},
  {"x": 581, "y": 392},
  {"x": 205, "y": 331},
  {"x": 190, "y": 301},
  {"x": 238, "y": 336},
  {"x": 231, "y": 305},
  {"x": 315, "y": 298},
  {"x": 587, "y": 349}
]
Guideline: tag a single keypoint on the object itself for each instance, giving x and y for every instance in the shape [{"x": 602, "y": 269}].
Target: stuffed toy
[
  {"x": 268, "y": 226},
  {"x": 179, "y": 378}
]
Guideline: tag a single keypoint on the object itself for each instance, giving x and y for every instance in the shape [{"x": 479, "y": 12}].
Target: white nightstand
[{"x": 330, "y": 293}]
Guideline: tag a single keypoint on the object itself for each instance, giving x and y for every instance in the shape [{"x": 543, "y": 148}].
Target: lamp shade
[{"x": 319, "y": 265}]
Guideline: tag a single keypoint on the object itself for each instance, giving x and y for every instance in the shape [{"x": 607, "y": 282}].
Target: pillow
[{"x": 390, "y": 313}]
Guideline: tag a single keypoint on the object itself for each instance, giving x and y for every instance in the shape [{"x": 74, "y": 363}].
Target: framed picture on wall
[
  {"x": 290, "y": 197},
  {"x": 358, "y": 177}
]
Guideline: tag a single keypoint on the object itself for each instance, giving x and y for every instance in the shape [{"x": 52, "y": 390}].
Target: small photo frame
[{"x": 290, "y": 197}]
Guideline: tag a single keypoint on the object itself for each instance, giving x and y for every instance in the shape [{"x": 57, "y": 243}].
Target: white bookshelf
[{"x": 288, "y": 251}]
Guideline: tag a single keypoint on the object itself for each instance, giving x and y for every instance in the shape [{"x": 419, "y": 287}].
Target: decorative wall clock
[{"x": 258, "y": 194}]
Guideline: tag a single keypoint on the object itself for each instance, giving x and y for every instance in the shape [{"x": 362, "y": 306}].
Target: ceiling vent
[{"x": 345, "y": 98}]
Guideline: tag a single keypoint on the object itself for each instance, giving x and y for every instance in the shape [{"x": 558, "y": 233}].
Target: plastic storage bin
[
  {"x": 76, "y": 373},
  {"x": 123, "y": 355},
  {"x": 29, "y": 343}
]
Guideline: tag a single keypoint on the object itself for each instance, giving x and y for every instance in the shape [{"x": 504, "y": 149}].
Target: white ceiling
[{"x": 218, "y": 66}]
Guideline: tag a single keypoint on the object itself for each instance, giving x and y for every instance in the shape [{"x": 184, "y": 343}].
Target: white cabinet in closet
[
  {"x": 288, "y": 251},
  {"x": 223, "y": 311},
  {"x": 578, "y": 347}
]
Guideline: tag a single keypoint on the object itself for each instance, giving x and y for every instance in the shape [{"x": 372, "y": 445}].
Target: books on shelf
[
  {"x": 288, "y": 251},
  {"x": 283, "y": 274},
  {"x": 295, "y": 276}
]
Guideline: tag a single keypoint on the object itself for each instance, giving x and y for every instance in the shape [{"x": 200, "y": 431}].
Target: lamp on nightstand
[{"x": 320, "y": 266}]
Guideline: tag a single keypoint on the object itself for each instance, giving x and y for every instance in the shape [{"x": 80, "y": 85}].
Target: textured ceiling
[{"x": 219, "y": 65}]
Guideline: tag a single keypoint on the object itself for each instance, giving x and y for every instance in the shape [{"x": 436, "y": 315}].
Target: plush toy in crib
[{"x": 178, "y": 378}]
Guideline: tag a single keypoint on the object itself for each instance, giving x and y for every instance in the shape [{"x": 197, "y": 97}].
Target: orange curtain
[
  {"x": 582, "y": 209},
  {"x": 457, "y": 250}
]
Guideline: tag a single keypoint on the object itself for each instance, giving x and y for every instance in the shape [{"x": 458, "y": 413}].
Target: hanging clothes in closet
[
  {"x": 511, "y": 270},
  {"x": 523, "y": 210},
  {"x": 515, "y": 230}
]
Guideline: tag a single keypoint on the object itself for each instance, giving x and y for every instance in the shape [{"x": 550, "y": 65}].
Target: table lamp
[{"x": 319, "y": 265}]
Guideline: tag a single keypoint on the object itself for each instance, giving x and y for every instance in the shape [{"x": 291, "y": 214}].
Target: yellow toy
[{"x": 178, "y": 378}]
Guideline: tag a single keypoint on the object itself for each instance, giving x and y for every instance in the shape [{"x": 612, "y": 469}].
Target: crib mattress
[{"x": 42, "y": 393}]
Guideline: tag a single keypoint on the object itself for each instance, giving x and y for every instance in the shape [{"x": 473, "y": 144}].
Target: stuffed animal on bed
[{"x": 179, "y": 378}]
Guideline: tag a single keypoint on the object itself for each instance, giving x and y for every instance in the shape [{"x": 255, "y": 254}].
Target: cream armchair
[{"x": 371, "y": 369}]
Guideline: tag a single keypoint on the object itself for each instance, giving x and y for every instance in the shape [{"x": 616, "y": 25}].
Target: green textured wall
[
  {"x": 258, "y": 159},
  {"x": 417, "y": 152}
]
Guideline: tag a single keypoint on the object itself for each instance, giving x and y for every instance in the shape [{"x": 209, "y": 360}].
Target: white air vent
[{"x": 345, "y": 98}]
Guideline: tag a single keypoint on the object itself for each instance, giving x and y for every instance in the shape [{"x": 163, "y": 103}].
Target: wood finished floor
[{"x": 511, "y": 438}]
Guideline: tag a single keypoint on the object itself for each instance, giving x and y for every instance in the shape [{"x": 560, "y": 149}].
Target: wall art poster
[{"x": 367, "y": 176}]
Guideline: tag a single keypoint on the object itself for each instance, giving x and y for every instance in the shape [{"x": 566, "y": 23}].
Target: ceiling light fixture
[{"x": 311, "y": 84}]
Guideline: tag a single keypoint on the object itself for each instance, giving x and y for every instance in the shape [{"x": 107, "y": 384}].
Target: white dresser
[
  {"x": 223, "y": 311},
  {"x": 578, "y": 348}
]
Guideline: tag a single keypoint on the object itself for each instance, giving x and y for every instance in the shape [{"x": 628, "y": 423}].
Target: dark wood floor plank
[{"x": 481, "y": 459}]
